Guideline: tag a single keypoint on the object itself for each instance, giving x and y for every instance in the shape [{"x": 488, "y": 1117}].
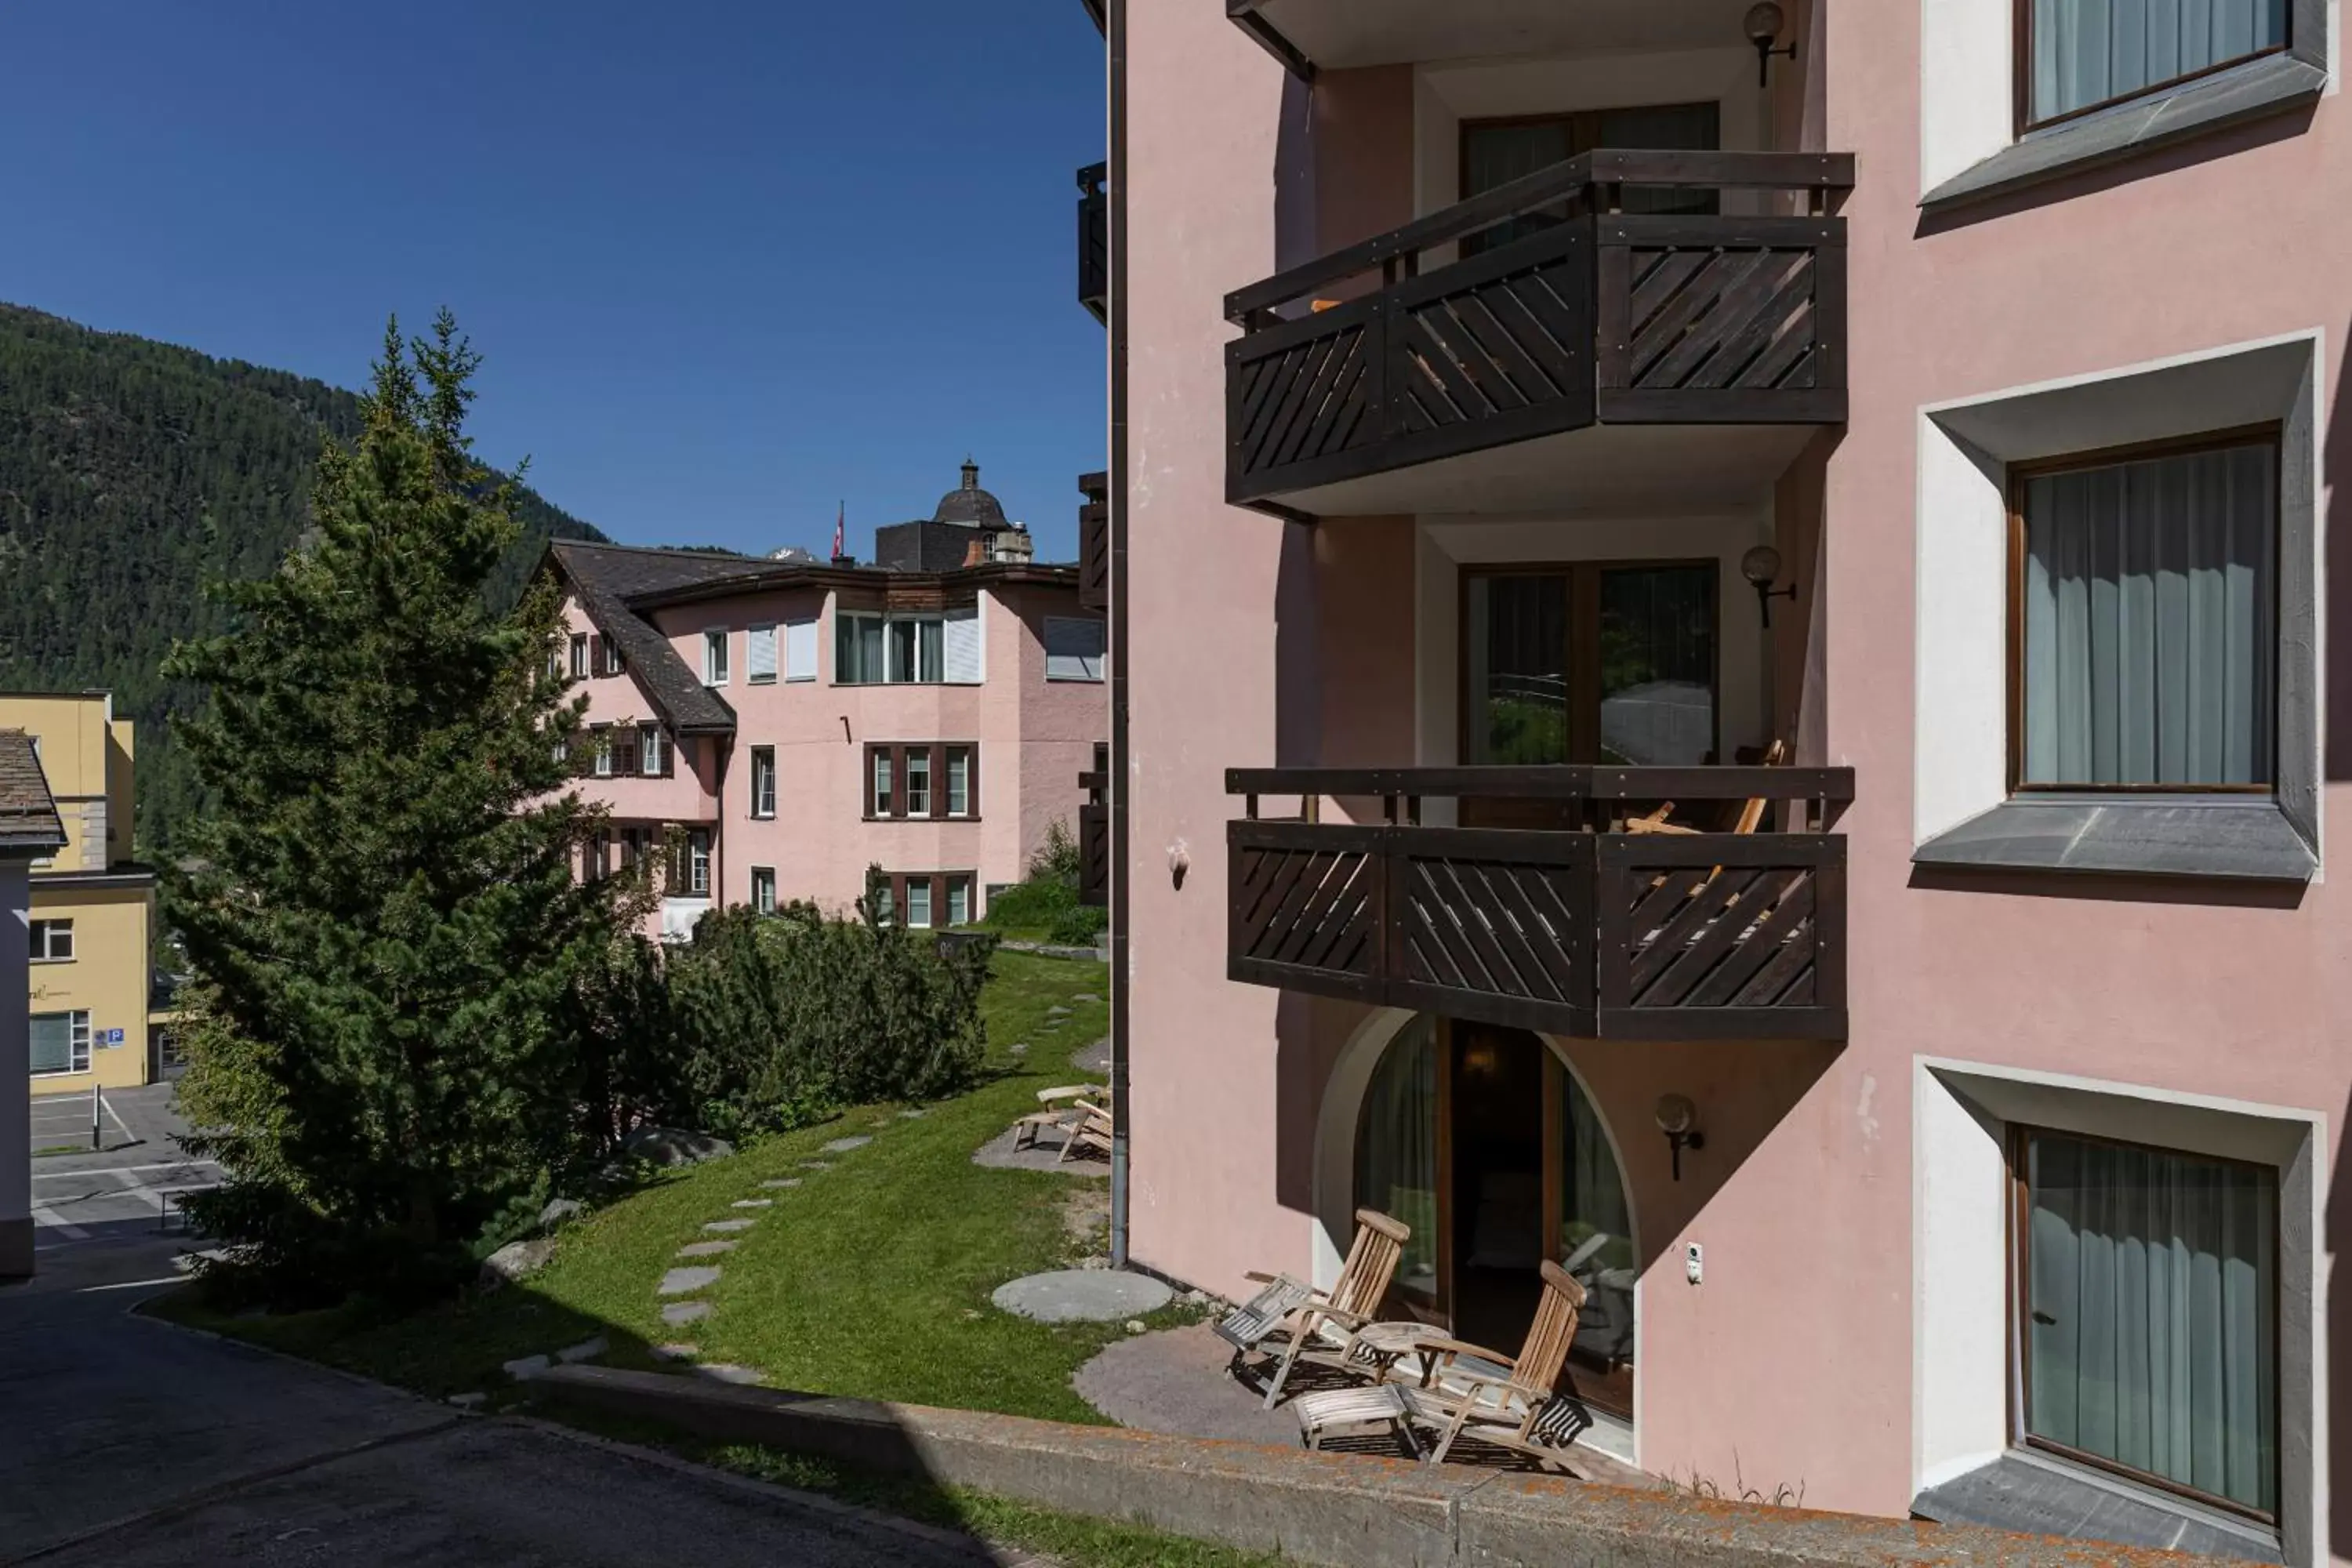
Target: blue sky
[{"x": 729, "y": 264}]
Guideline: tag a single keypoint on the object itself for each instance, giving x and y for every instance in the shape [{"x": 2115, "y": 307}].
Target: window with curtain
[
  {"x": 2149, "y": 641},
  {"x": 764, "y": 781},
  {"x": 872, "y": 650},
  {"x": 60, "y": 1043},
  {"x": 1497, "y": 152},
  {"x": 1396, "y": 1151},
  {"x": 2081, "y": 54},
  {"x": 2150, "y": 1291},
  {"x": 764, "y": 889}
]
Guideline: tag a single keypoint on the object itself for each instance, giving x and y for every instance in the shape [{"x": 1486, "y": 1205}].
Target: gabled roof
[
  {"x": 29, "y": 813},
  {"x": 606, "y": 576}
]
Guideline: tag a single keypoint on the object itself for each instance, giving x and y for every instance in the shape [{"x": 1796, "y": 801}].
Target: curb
[{"x": 1345, "y": 1510}]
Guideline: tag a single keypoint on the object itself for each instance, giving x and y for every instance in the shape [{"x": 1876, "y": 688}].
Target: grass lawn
[{"x": 871, "y": 1278}]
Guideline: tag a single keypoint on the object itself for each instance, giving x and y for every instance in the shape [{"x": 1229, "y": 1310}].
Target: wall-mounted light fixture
[
  {"x": 1761, "y": 567},
  {"x": 1762, "y": 25},
  {"x": 1678, "y": 1119}
]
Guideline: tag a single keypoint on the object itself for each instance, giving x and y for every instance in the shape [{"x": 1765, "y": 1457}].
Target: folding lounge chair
[{"x": 1317, "y": 1325}]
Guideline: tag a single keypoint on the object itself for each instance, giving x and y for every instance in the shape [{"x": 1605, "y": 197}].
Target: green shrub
[
  {"x": 1031, "y": 905},
  {"x": 1078, "y": 926}
]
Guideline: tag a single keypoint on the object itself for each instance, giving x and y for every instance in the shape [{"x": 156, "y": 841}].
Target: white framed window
[
  {"x": 60, "y": 1043},
  {"x": 607, "y": 657},
  {"x": 596, "y": 858},
  {"x": 601, "y": 737},
  {"x": 959, "y": 781},
  {"x": 919, "y": 903},
  {"x": 1074, "y": 648},
  {"x": 919, "y": 783},
  {"x": 714, "y": 657},
  {"x": 759, "y": 655},
  {"x": 874, "y": 650},
  {"x": 958, "y": 901},
  {"x": 799, "y": 649},
  {"x": 690, "y": 870},
  {"x": 579, "y": 655},
  {"x": 764, "y": 781},
  {"x": 53, "y": 941},
  {"x": 653, "y": 750},
  {"x": 764, "y": 889},
  {"x": 880, "y": 797},
  {"x": 885, "y": 910}
]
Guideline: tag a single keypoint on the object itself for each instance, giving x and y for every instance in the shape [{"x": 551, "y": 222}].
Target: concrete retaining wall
[{"x": 1347, "y": 1510}]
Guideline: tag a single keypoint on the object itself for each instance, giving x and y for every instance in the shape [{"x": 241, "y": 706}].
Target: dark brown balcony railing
[
  {"x": 1094, "y": 541},
  {"x": 1393, "y": 352},
  {"x": 1094, "y": 834},
  {"x": 1094, "y": 241},
  {"x": 1590, "y": 931}
]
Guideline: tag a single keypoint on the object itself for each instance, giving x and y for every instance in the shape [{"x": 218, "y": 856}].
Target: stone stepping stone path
[
  {"x": 753, "y": 1204},
  {"x": 1085, "y": 996},
  {"x": 706, "y": 1248},
  {"x": 674, "y": 1353},
  {"x": 1082, "y": 1296},
  {"x": 912, "y": 1115},
  {"x": 781, "y": 1183},
  {"x": 725, "y": 1226},
  {"x": 687, "y": 1281},
  {"x": 679, "y": 1313},
  {"x": 814, "y": 1165},
  {"x": 1057, "y": 1011},
  {"x": 728, "y": 1372},
  {"x": 844, "y": 1145}
]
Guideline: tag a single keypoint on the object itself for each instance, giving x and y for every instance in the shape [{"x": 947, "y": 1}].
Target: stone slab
[
  {"x": 1178, "y": 1381},
  {"x": 781, "y": 1183},
  {"x": 725, "y": 1225},
  {"x": 844, "y": 1145},
  {"x": 586, "y": 1349},
  {"x": 728, "y": 1372},
  {"x": 998, "y": 1154},
  {"x": 685, "y": 1281},
  {"x": 527, "y": 1367},
  {"x": 751, "y": 1202},
  {"x": 1082, "y": 1296},
  {"x": 1094, "y": 1058},
  {"x": 706, "y": 1248},
  {"x": 679, "y": 1313}
]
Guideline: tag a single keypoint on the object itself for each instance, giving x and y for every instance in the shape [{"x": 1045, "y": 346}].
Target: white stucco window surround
[
  {"x": 1966, "y": 1463},
  {"x": 1970, "y": 148},
  {"x": 1963, "y": 815}
]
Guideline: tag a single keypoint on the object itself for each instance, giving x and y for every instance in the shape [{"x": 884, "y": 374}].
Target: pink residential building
[
  {"x": 793, "y": 722},
  {"x": 1531, "y": 418}
]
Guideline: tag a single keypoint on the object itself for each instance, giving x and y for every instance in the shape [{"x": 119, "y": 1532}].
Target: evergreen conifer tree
[{"x": 388, "y": 942}]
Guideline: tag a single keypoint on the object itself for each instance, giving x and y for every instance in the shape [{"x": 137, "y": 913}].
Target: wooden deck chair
[
  {"x": 1322, "y": 1328},
  {"x": 1508, "y": 1401},
  {"x": 1055, "y": 1114},
  {"x": 1089, "y": 1133},
  {"x": 1751, "y": 815}
]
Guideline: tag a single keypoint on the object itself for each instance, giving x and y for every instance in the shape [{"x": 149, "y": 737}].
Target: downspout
[{"x": 1121, "y": 768}]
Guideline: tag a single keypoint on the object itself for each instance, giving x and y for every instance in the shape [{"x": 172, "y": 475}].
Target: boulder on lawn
[
  {"x": 673, "y": 1146},
  {"x": 561, "y": 1211},
  {"x": 516, "y": 1260}
]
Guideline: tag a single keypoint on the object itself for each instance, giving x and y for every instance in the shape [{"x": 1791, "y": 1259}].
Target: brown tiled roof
[{"x": 28, "y": 815}]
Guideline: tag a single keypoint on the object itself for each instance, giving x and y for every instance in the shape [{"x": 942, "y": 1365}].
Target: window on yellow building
[
  {"x": 60, "y": 1043},
  {"x": 53, "y": 941}
]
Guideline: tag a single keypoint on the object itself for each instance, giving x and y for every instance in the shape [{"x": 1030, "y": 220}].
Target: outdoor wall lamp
[
  {"x": 1678, "y": 1119},
  {"x": 1760, "y": 566},
  {"x": 1762, "y": 25}
]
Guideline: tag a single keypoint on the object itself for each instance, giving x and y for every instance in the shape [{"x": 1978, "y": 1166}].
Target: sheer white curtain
[
  {"x": 2153, "y": 1340},
  {"x": 2088, "y": 51},
  {"x": 2150, "y": 600},
  {"x": 1396, "y": 1149}
]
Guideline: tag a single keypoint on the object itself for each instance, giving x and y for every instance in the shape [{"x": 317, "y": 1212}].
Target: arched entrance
[{"x": 1484, "y": 1141}]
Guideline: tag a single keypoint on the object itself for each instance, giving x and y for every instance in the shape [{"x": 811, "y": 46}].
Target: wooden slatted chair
[
  {"x": 1751, "y": 815},
  {"x": 1057, "y": 1113},
  {"x": 1508, "y": 1401},
  {"x": 1320, "y": 1326},
  {"x": 1089, "y": 1133}
]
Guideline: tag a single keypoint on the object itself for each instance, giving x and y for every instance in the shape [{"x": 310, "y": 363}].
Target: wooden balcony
[
  {"x": 1094, "y": 241},
  {"x": 1591, "y": 931},
  {"x": 1094, "y": 834},
  {"x": 1585, "y": 344},
  {"x": 1094, "y": 541}
]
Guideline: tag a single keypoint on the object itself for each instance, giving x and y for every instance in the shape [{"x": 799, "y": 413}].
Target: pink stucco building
[
  {"x": 796, "y": 722},
  {"x": 1530, "y": 413}
]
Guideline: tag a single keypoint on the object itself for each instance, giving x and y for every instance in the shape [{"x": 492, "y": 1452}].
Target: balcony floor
[{"x": 1598, "y": 471}]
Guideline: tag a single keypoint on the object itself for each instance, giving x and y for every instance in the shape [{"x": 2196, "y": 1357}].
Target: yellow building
[{"x": 93, "y": 907}]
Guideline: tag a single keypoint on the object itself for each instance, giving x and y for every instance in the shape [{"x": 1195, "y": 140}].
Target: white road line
[
  {"x": 120, "y": 1169},
  {"x": 46, "y": 1219}
]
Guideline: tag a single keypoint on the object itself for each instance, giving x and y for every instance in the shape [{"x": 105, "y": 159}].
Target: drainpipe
[{"x": 1121, "y": 767}]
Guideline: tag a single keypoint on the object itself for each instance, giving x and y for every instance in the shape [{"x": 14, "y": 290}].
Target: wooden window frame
[
  {"x": 935, "y": 755},
  {"x": 2020, "y": 475},
  {"x": 2022, "y": 121},
  {"x": 44, "y": 933},
  {"x": 577, "y": 650},
  {"x": 759, "y": 754},
  {"x": 936, "y": 882},
  {"x": 2017, "y": 1138},
  {"x": 1580, "y": 659},
  {"x": 683, "y": 865}
]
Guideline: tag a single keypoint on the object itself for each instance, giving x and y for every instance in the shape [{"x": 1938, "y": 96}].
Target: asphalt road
[{"x": 132, "y": 1444}]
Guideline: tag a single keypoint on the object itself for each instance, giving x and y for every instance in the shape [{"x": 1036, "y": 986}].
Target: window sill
[
  {"x": 2043, "y": 1496},
  {"x": 2228, "y": 837},
  {"x": 760, "y": 681},
  {"x": 39, "y": 961},
  {"x": 2233, "y": 97},
  {"x": 926, "y": 816}
]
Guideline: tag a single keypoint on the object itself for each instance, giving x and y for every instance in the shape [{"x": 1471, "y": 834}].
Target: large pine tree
[{"x": 381, "y": 915}]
